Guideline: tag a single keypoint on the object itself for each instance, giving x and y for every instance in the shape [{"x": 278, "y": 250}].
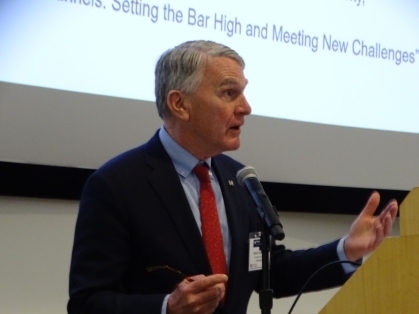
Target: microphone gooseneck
[{"x": 248, "y": 178}]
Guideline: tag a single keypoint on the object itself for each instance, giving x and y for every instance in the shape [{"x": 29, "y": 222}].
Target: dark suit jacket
[{"x": 134, "y": 214}]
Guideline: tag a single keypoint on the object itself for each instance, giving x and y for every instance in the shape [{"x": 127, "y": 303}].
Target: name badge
[{"x": 255, "y": 254}]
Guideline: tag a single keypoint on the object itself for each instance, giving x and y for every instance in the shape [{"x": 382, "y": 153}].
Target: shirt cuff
[{"x": 347, "y": 268}]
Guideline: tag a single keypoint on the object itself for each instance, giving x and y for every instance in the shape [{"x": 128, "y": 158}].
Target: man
[{"x": 142, "y": 209}]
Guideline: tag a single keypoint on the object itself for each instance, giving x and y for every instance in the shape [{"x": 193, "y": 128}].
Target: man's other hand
[{"x": 201, "y": 296}]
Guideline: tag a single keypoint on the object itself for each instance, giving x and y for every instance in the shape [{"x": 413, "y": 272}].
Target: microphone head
[{"x": 245, "y": 173}]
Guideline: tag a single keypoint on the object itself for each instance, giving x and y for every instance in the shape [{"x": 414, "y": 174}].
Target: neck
[{"x": 182, "y": 137}]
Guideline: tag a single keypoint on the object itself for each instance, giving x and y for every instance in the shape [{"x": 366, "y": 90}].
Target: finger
[
  {"x": 212, "y": 293},
  {"x": 387, "y": 225},
  {"x": 209, "y": 297},
  {"x": 394, "y": 208},
  {"x": 371, "y": 205},
  {"x": 379, "y": 234},
  {"x": 183, "y": 300},
  {"x": 191, "y": 297},
  {"x": 391, "y": 210},
  {"x": 203, "y": 283},
  {"x": 196, "y": 277},
  {"x": 209, "y": 302}
]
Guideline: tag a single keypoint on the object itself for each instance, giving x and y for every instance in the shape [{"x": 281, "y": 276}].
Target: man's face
[{"x": 217, "y": 108}]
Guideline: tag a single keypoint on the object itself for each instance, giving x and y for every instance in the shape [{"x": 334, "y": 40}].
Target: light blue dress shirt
[{"x": 184, "y": 163}]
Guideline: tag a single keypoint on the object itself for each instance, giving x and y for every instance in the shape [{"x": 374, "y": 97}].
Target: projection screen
[{"x": 333, "y": 85}]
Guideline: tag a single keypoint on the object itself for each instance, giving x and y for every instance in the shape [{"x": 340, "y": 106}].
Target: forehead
[{"x": 224, "y": 71}]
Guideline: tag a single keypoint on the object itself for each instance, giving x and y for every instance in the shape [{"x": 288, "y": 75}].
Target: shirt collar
[{"x": 183, "y": 160}]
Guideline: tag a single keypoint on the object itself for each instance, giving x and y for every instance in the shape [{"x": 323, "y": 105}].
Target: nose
[{"x": 243, "y": 107}]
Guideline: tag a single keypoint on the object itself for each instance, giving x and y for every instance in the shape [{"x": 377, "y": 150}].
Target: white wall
[{"x": 35, "y": 246}]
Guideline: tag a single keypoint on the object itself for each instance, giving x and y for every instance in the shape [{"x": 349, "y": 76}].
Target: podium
[{"x": 388, "y": 281}]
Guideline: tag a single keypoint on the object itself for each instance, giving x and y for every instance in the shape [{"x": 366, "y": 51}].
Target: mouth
[
  {"x": 236, "y": 127},
  {"x": 235, "y": 130}
]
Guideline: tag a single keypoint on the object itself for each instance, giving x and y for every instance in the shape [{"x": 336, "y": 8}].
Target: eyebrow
[{"x": 229, "y": 81}]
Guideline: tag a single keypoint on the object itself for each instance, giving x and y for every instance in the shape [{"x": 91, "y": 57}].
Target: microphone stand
[
  {"x": 266, "y": 293},
  {"x": 268, "y": 214}
]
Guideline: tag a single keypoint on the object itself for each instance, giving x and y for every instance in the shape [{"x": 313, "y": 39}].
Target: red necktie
[{"x": 210, "y": 223}]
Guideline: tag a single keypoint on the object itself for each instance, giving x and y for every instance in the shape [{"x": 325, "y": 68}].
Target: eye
[{"x": 230, "y": 93}]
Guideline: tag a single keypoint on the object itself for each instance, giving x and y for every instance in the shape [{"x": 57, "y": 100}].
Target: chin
[{"x": 233, "y": 146}]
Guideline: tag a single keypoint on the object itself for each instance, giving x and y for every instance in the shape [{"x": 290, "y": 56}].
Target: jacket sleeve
[
  {"x": 291, "y": 269},
  {"x": 101, "y": 257}
]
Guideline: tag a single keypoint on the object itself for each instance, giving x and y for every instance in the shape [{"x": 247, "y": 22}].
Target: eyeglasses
[{"x": 167, "y": 267}]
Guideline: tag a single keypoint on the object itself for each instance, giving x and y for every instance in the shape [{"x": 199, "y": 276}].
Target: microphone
[{"x": 247, "y": 177}]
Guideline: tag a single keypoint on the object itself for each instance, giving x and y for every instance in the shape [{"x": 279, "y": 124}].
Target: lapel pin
[{"x": 231, "y": 182}]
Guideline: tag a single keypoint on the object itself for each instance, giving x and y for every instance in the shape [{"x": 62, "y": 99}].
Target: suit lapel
[{"x": 165, "y": 181}]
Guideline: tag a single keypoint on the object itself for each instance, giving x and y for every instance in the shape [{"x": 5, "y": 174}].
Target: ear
[{"x": 177, "y": 106}]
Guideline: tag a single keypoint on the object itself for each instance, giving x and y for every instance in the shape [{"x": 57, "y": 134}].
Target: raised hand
[{"x": 368, "y": 231}]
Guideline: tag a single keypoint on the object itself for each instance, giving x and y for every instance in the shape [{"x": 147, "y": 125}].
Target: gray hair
[{"x": 181, "y": 68}]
